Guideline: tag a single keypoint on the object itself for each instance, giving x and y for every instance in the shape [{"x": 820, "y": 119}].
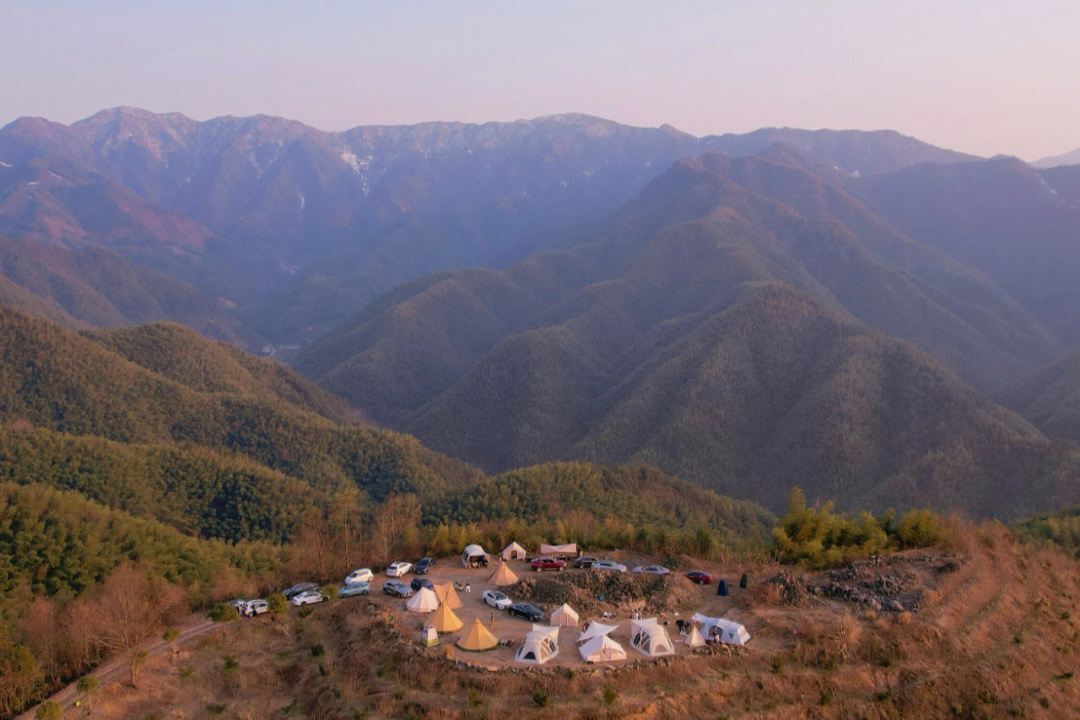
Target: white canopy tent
[
  {"x": 425, "y": 601},
  {"x": 601, "y": 649},
  {"x": 471, "y": 553},
  {"x": 540, "y": 645},
  {"x": 595, "y": 630},
  {"x": 513, "y": 551},
  {"x": 721, "y": 630},
  {"x": 650, "y": 639},
  {"x": 569, "y": 549},
  {"x": 565, "y": 615}
]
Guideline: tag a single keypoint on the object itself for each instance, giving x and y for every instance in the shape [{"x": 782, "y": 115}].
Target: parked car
[
  {"x": 423, "y": 565},
  {"x": 256, "y": 607},
  {"x": 700, "y": 577},
  {"x": 548, "y": 563},
  {"x": 496, "y": 599},
  {"x": 351, "y": 589},
  {"x": 359, "y": 576},
  {"x": 585, "y": 561},
  {"x": 295, "y": 590},
  {"x": 526, "y": 612},
  {"x": 308, "y": 597},
  {"x": 396, "y": 588},
  {"x": 419, "y": 582},
  {"x": 652, "y": 570},
  {"x": 608, "y": 565},
  {"x": 397, "y": 569}
]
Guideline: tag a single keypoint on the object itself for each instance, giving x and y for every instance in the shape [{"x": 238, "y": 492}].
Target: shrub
[
  {"x": 278, "y": 604},
  {"x": 540, "y": 698},
  {"x": 610, "y": 695},
  {"x": 49, "y": 710},
  {"x": 221, "y": 612}
]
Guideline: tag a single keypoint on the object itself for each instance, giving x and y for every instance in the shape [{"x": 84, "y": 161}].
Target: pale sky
[{"x": 982, "y": 77}]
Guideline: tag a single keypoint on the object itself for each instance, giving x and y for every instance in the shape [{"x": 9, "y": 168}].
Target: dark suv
[
  {"x": 418, "y": 583},
  {"x": 423, "y": 565},
  {"x": 585, "y": 561}
]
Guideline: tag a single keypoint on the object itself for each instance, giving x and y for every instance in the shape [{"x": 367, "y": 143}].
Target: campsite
[{"x": 817, "y": 637}]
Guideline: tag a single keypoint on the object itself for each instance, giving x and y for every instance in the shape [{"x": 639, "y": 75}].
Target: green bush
[
  {"x": 49, "y": 710},
  {"x": 819, "y": 537}
]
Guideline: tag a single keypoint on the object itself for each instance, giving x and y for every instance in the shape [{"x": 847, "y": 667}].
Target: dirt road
[{"x": 116, "y": 670}]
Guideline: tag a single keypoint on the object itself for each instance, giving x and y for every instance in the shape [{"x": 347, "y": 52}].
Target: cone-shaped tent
[
  {"x": 477, "y": 638},
  {"x": 694, "y": 639},
  {"x": 601, "y": 649},
  {"x": 445, "y": 620},
  {"x": 424, "y": 601},
  {"x": 513, "y": 551},
  {"x": 503, "y": 576},
  {"x": 448, "y": 596},
  {"x": 565, "y": 615}
]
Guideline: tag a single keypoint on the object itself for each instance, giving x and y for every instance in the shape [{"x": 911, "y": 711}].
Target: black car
[
  {"x": 526, "y": 611},
  {"x": 418, "y": 583},
  {"x": 423, "y": 565},
  {"x": 396, "y": 588},
  {"x": 295, "y": 590},
  {"x": 585, "y": 561}
]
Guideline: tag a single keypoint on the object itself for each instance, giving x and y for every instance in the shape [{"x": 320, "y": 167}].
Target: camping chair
[{"x": 459, "y": 586}]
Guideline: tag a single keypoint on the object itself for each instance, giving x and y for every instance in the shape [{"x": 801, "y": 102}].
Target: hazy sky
[{"x": 984, "y": 77}]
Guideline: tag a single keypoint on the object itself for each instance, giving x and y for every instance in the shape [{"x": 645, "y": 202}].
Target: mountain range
[
  {"x": 298, "y": 228},
  {"x": 876, "y": 319}
]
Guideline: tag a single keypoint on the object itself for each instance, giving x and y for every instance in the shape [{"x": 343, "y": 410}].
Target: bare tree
[
  {"x": 397, "y": 514},
  {"x": 129, "y": 610}
]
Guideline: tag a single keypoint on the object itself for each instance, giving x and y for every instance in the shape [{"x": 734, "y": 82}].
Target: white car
[
  {"x": 608, "y": 565},
  {"x": 359, "y": 576},
  {"x": 309, "y": 597},
  {"x": 256, "y": 607},
  {"x": 496, "y": 599},
  {"x": 397, "y": 569},
  {"x": 652, "y": 570}
]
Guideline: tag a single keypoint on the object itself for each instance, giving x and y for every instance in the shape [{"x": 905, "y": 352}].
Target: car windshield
[{"x": 498, "y": 596}]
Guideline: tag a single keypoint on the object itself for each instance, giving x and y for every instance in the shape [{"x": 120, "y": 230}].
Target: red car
[
  {"x": 699, "y": 576},
  {"x": 546, "y": 563}
]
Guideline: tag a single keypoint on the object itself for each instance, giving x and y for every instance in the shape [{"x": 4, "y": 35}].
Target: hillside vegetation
[{"x": 726, "y": 337}]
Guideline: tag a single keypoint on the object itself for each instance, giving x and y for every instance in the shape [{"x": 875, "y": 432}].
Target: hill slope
[
  {"x": 709, "y": 329},
  {"x": 1050, "y": 397}
]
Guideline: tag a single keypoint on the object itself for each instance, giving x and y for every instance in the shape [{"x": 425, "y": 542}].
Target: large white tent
[
  {"x": 471, "y": 554},
  {"x": 513, "y": 551},
  {"x": 425, "y": 601},
  {"x": 565, "y": 615},
  {"x": 601, "y": 649},
  {"x": 649, "y": 638},
  {"x": 540, "y": 645},
  {"x": 722, "y": 630},
  {"x": 569, "y": 549},
  {"x": 596, "y": 629}
]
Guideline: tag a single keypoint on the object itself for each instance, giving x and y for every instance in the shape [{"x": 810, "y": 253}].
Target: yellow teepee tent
[
  {"x": 477, "y": 638},
  {"x": 503, "y": 576},
  {"x": 448, "y": 596},
  {"x": 445, "y": 620}
]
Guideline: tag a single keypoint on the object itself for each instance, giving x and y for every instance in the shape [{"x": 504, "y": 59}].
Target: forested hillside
[{"x": 720, "y": 326}]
